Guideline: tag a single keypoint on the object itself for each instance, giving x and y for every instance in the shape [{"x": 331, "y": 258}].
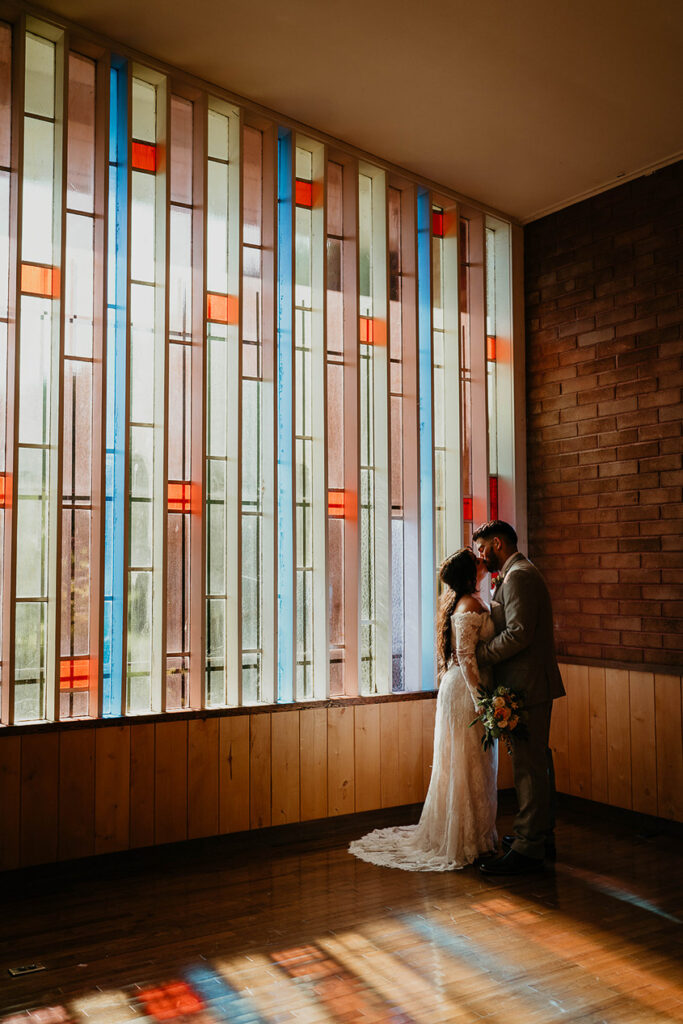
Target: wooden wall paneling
[
  {"x": 313, "y": 763},
  {"x": 598, "y": 733},
  {"x": 10, "y": 801},
  {"x": 260, "y": 771},
  {"x": 389, "y": 759},
  {"x": 142, "y": 741},
  {"x": 76, "y": 793},
  {"x": 618, "y": 737},
  {"x": 669, "y": 731},
  {"x": 410, "y": 751},
  {"x": 39, "y": 797},
  {"x": 170, "y": 782},
  {"x": 341, "y": 797},
  {"x": 428, "y": 719},
  {"x": 202, "y": 777},
  {"x": 643, "y": 742},
  {"x": 234, "y": 774},
  {"x": 578, "y": 731},
  {"x": 558, "y": 741},
  {"x": 367, "y": 754},
  {"x": 112, "y": 788},
  {"x": 285, "y": 768},
  {"x": 505, "y": 776}
]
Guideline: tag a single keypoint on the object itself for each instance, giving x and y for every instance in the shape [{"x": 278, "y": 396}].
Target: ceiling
[{"x": 524, "y": 106}]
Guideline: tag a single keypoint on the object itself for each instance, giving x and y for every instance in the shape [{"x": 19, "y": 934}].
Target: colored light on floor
[
  {"x": 169, "y": 1001},
  {"x": 144, "y": 156},
  {"x": 40, "y": 280},
  {"x": 304, "y": 193},
  {"x": 222, "y": 309},
  {"x": 74, "y": 674},
  {"x": 179, "y": 496}
]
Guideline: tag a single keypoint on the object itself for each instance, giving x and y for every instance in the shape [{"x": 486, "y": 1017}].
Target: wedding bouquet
[{"x": 502, "y": 714}]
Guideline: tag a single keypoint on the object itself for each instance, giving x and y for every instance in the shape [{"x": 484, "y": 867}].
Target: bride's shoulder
[{"x": 469, "y": 605}]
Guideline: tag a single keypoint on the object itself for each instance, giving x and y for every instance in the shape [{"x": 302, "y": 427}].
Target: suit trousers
[{"x": 534, "y": 777}]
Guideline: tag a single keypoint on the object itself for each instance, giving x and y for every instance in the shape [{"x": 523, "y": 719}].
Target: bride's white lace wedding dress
[{"x": 458, "y": 821}]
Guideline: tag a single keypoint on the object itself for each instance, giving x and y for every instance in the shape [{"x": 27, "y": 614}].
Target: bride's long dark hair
[{"x": 459, "y": 573}]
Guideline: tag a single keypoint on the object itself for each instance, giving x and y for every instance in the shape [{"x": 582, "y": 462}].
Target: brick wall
[{"x": 604, "y": 308}]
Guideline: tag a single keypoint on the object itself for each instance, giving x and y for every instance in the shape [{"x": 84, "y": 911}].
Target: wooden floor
[{"x": 285, "y": 926}]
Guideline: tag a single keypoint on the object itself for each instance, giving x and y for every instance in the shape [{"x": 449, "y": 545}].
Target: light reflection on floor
[{"x": 507, "y": 958}]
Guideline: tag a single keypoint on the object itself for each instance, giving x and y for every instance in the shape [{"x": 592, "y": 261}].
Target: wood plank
[
  {"x": 389, "y": 759},
  {"x": 428, "y": 720},
  {"x": 203, "y": 742},
  {"x": 142, "y": 740},
  {"x": 260, "y": 797},
  {"x": 76, "y": 793},
  {"x": 10, "y": 801},
  {"x": 170, "y": 782},
  {"x": 285, "y": 767},
  {"x": 410, "y": 751},
  {"x": 112, "y": 788},
  {"x": 669, "y": 731},
  {"x": 618, "y": 737},
  {"x": 643, "y": 742},
  {"x": 341, "y": 797},
  {"x": 367, "y": 758},
  {"x": 598, "y": 729},
  {"x": 234, "y": 774},
  {"x": 558, "y": 739},
  {"x": 578, "y": 731},
  {"x": 313, "y": 763},
  {"x": 39, "y": 797}
]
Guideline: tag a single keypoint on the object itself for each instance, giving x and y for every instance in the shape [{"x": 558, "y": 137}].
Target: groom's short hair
[{"x": 496, "y": 528}]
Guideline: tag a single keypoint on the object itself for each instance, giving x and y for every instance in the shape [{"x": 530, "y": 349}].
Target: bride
[{"x": 458, "y": 821}]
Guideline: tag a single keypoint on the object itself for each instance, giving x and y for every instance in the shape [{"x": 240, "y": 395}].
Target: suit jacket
[{"x": 522, "y": 652}]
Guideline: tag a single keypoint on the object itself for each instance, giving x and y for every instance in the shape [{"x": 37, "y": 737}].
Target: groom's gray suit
[{"x": 522, "y": 654}]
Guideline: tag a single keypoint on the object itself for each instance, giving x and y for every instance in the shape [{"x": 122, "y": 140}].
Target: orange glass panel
[
  {"x": 222, "y": 309},
  {"x": 37, "y": 280},
  {"x": 5, "y": 490},
  {"x": 304, "y": 193},
  {"x": 167, "y": 1002},
  {"x": 372, "y": 331},
  {"x": 437, "y": 223},
  {"x": 491, "y": 348},
  {"x": 144, "y": 156},
  {"x": 493, "y": 496},
  {"x": 336, "y": 504},
  {"x": 179, "y": 496},
  {"x": 467, "y": 509},
  {"x": 74, "y": 674}
]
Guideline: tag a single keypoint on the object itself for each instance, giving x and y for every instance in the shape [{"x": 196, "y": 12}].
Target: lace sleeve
[{"x": 467, "y": 628}]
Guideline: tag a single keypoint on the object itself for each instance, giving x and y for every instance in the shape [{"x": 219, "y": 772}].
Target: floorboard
[{"x": 284, "y": 926}]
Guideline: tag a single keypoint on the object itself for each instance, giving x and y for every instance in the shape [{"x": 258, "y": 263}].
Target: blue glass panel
[
  {"x": 114, "y": 552},
  {"x": 427, "y": 567},
  {"x": 285, "y": 491}
]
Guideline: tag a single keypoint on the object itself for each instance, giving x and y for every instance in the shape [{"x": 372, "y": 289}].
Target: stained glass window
[
  {"x": 237, "y": 486},
  {"x": 223, "y": 678},
  {"x": 36, "y": 493},
  {"x": 180, "y": 378},
  {"x": 5, "y": 178},
  {"x": 80, "y": 457},
  {"x": 337, "y": 355}
]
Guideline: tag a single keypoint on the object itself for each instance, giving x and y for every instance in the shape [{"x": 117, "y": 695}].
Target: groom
[{"x": 522, "y": 654}]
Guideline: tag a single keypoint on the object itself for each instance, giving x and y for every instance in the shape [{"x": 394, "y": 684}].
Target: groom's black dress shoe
[
  {"x": 511, "y": 863},
  {"x": 550, "y": 849}
]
